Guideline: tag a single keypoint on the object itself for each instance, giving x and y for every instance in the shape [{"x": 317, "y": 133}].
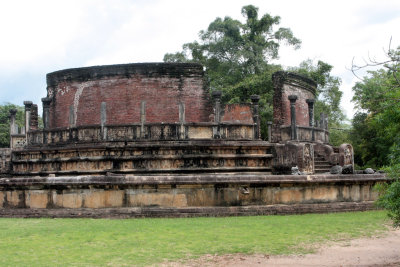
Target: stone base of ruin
[
  {"x": 185, "y": 212},
  {"x": 185, "y": 195}
]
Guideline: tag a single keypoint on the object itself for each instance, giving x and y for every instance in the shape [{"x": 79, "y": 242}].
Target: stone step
[
  {"x": 323, "y": 166},
  {"x": 321, "y": 170}
]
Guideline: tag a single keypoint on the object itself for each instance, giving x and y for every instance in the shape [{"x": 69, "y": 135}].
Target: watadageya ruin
[{"x": 150, "y": 140}]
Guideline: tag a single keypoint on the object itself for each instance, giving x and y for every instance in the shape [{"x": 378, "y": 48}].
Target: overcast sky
[{"x": 38, "y": 37}]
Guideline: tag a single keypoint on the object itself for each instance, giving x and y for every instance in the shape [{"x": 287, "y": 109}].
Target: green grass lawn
[{"x": 104, "y": 242}]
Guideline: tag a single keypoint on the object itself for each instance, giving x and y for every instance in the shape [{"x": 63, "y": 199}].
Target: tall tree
[
  {"x": 236, "y": 56},
  {"x": 377, "y": 96},
  {"x": 231, "y": 50}
]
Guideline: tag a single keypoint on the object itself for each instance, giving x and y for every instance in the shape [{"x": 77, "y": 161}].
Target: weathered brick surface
[
  {"x": 237, "y": 113},
  {"x": 286, "y": 84},
  {"x": 123, "y": 88}
]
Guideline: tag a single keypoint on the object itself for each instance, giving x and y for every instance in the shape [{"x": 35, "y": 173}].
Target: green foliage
[
  {"x": 236, "y": 56},
  {"x": 389, "y": 193},
  {"x": 341, "y": 135},
  {"x": 377, "y": 125},
  {"x": 5, "y": 122},
  {"x": 231, "y": 50},
  {"x": 104, "y": 242},
  {"x": 377, "y": 129},
  {"x": 257, "y": 84}
]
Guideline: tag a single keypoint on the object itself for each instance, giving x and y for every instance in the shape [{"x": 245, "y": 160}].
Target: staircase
[{"x": 320, "y": 164}]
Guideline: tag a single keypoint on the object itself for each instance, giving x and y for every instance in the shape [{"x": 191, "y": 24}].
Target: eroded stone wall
[
  {"x": 5, "y": 159},
  {"x": 145, "y": 157},
  {"x": 182, "y": 191},
  {"x": 286, "y": 84}
]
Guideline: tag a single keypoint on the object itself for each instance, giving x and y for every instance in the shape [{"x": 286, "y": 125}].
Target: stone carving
[
  {"x": 308, "y": 159},
  {"x": 348, "y": 158}
]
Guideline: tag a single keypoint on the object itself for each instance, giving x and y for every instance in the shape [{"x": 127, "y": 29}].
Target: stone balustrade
[{"x": 136, "y": 132}]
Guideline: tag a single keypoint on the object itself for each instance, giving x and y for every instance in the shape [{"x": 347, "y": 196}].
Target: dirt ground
[{"x": 375, "y": 251}]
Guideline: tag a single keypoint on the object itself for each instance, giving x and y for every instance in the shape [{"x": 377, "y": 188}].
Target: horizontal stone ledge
[
  {"x": 144, "y": 171},
  {"x": 150, "y": 144},
  {"x": 138, "y": 124},
  {"x": 138, "y": 212},
  {"x": 146, "y": 157},
  {"x": 194, "y": 179}
]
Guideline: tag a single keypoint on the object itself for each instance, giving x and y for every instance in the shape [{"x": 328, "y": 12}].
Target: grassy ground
[{"x": 102, "y": 242}]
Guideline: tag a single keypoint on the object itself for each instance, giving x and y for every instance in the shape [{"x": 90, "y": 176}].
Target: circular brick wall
[{"x": 125, "y": 94}]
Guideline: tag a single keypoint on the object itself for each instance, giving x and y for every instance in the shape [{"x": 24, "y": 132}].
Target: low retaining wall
[{"x": 185, "y": 195}]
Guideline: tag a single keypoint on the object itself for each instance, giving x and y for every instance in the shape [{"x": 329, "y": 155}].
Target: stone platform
[{"x": 185, "y": 195}]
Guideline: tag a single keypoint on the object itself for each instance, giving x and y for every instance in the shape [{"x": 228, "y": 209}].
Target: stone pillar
[
  {"x": 142, "y": 118},
  {"x": 103, "y": 120},
  {"x": 13, "y": 125},
  {"x": 46, "y": 112},
  {"x": 256, "y": 116},
  {"x": 310, "y": 103},
  {"x": 34, "y": 122},
  {"x": 217, "y": 113},
  {"x": 71, "y": 116},
  {"x": 293, "y": 128},
  {"x": 321, "y": 121},
  {"x": 269, "y": 123},
  {"x": 28, "y": 107},
  {"x": 182, "y": 120}
]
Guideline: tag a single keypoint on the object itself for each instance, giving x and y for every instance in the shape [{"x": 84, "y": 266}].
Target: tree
[
  {"x": 378, "y": 96},
  {"x": 5, "y": 122},
  {"x": 231, "y": 50},
  {"x": 389, "y": 193},
  {"x": 236, "y": 56}
]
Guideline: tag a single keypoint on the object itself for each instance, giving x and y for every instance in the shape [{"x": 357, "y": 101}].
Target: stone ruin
[{"x": 148, "y": 139}]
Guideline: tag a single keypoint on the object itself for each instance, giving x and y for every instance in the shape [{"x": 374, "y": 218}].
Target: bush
[{"x": 389, "y": 193}]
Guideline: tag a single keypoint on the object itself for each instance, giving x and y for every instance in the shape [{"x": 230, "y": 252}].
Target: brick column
[
  {"x": 310, "y": 103},
  {"x": 256, "y": 116},
  {"x": 293, "y": 130},
  {"x": 217, "y": 113}
]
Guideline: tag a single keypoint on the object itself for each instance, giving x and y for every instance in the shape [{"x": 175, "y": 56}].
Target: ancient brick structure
[
  {"x": 126, "y": 94},
  {"x": 294, "y": 97},
  {"x": 148, "y": 140}
]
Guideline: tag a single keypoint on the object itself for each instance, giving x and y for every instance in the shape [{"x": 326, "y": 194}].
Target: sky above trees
[{"x": 40, "y": 36}]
